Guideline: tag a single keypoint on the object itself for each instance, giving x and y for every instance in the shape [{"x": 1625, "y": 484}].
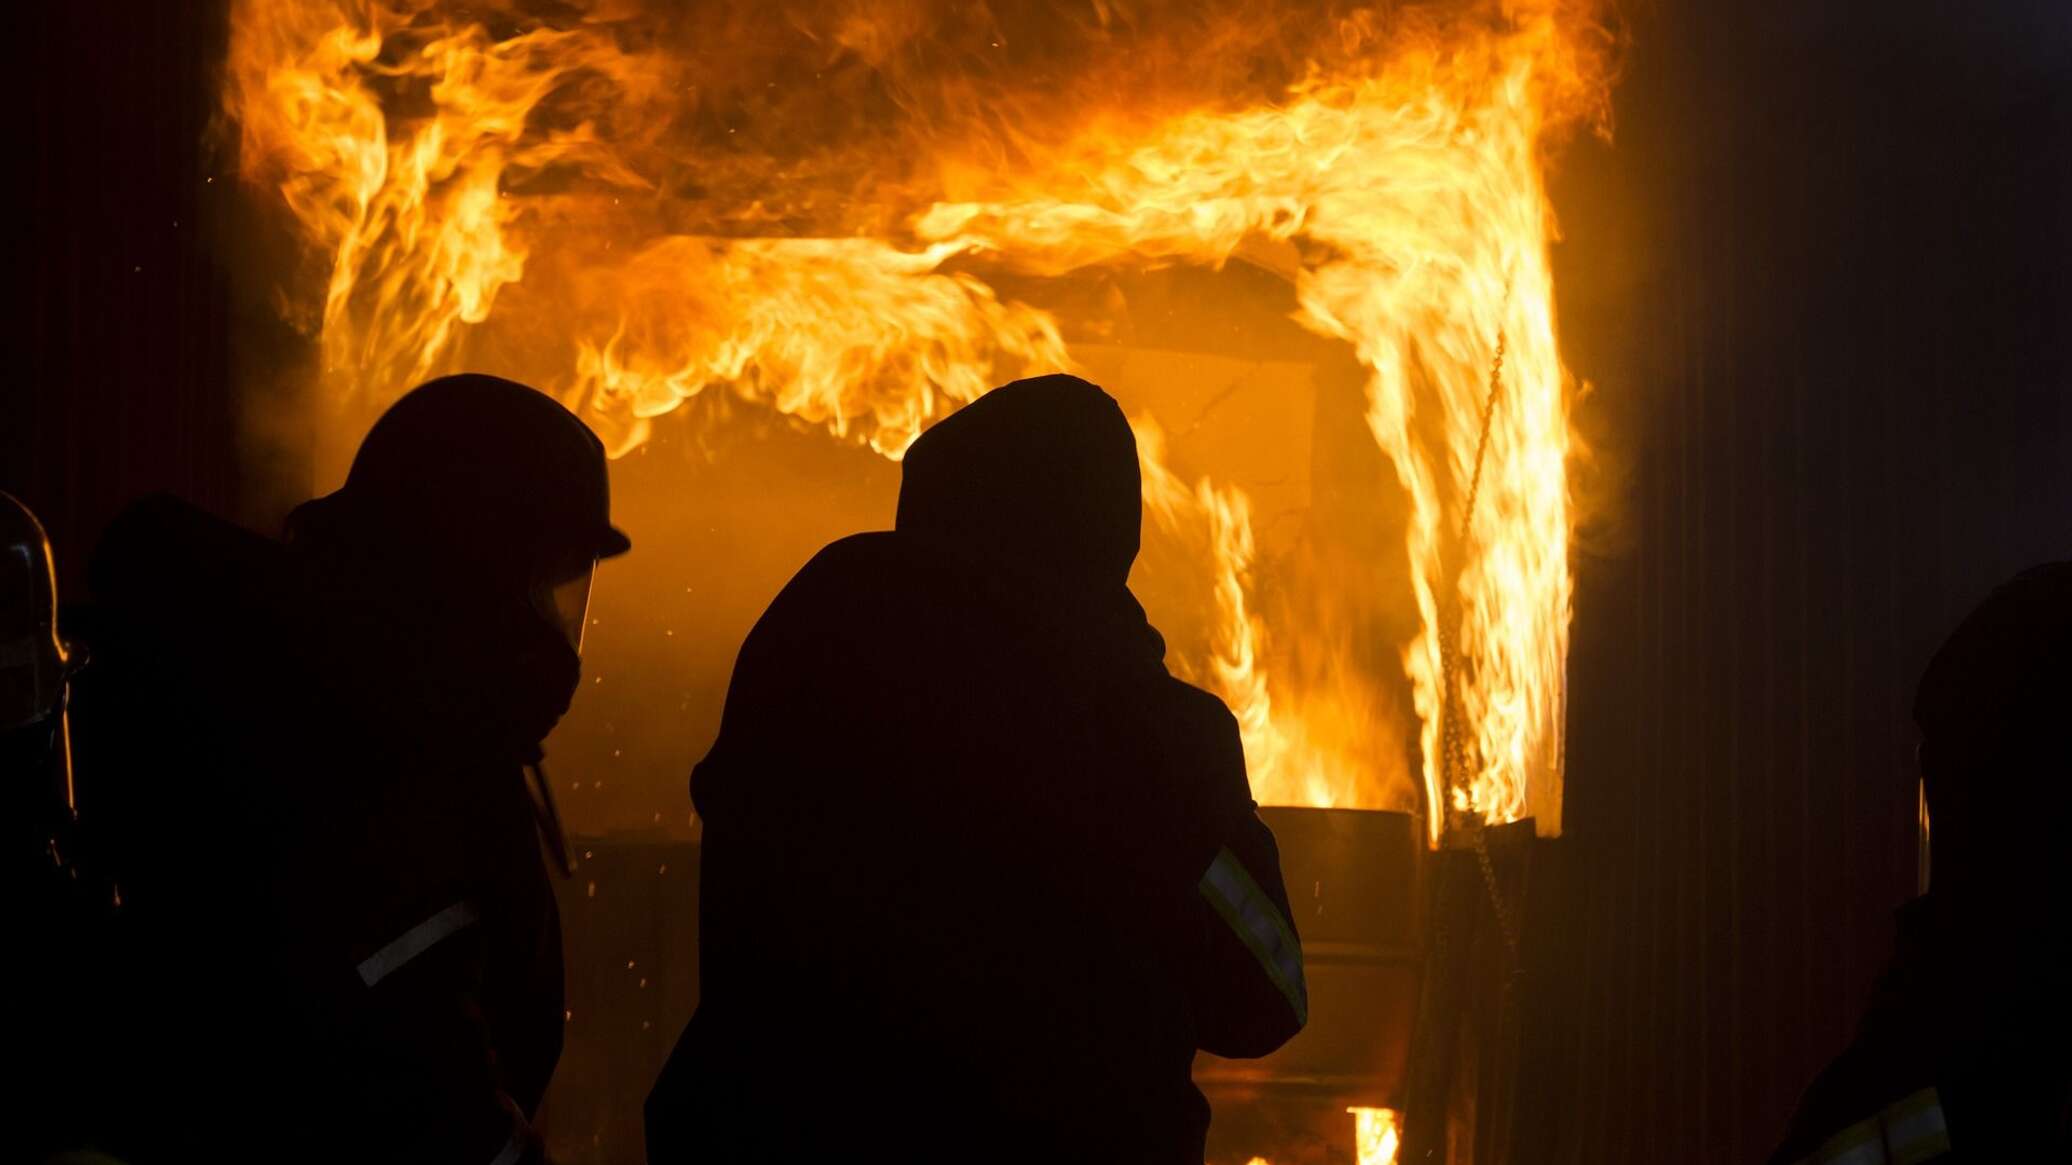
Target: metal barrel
[{"x": 1353, "y": 885}]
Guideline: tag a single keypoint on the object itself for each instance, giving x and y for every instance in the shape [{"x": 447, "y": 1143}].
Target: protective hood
[{"x": 1038, "y": 477}]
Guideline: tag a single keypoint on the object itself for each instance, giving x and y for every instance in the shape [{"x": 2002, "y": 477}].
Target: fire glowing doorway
[{"x": 760, "y": 247}]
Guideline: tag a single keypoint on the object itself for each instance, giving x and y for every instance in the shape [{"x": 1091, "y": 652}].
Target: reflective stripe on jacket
[{"x": 1909, "y": 1131}]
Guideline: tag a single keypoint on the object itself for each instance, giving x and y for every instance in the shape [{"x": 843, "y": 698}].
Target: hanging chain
[
  {"x": 1454, "y": 759},
  {"x": 1496, "y": 384},
  {"x": 1506, "y": 921},
  {"x": 1453, "y": 737},
  {"x": 1454, "y": 740}
]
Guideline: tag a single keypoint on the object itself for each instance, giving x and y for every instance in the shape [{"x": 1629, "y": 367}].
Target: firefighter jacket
[
  {"x": 966, "y": 881},
  {"x": 1961, "y": 1058},
  {"x": 337, "y": 938},
  {"x": 979, "y": 877}
]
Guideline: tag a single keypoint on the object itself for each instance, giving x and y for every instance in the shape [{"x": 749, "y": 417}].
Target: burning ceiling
[{"x": 861, "y": 213}]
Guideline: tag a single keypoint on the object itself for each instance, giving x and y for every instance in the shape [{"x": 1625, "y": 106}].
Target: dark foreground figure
[
  {"x": 979, "y": 876},
  {"x": 1966, "y": 1053},
  {"x": 306, "y": 764}
]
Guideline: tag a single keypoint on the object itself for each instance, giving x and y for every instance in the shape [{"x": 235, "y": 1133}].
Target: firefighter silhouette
[
  {"x": 979, "y": 877},
  {"x": 309, "y": 760},
  {"x": 1961, "y": 1057}
]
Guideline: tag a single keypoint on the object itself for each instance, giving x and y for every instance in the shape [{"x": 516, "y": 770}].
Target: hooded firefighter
[{"x": 979, "y": 876}]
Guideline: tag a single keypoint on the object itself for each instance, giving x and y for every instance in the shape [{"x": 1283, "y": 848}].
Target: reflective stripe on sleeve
[
  {"x": 417, "y": 940},
  {"x": 1907, "y": 1132},
  {"x": 1246, "y": 909},
  {"x": 1915, "y": 1130},
  {"x": 521, "y": 1137},
  {"x": 1859, "y": 1144},
  {"x": 512, "y": 1150}
]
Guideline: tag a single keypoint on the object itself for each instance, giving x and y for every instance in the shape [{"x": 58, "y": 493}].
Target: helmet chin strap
[
  {"x": 548, "y": 817},
  {"x": 567, "y": 606}
]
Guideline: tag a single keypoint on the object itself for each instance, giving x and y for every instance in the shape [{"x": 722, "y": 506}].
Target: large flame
[
  {"x": 814, "y": 206},
  {"x": 1376, "y": 1135}
]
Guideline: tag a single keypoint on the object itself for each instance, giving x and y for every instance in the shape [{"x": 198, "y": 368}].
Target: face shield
[{"x": 566, "y": 603}]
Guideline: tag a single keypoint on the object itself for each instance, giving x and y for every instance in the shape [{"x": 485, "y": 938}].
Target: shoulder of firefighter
[{"x": 1248, "y": 991}]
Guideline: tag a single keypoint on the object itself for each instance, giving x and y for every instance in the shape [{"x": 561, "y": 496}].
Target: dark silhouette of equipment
[
  {"x": 61, "y": 899},
  {"x": 36, "y": 667}
]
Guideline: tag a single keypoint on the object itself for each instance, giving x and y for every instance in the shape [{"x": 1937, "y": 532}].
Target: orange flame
[
  {"x": 1376, "y": 1135},
  {"x": 633, "y": 206}
]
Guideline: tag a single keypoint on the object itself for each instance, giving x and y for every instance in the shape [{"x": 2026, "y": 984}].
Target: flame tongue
[{"x": 633, "y": 207}]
